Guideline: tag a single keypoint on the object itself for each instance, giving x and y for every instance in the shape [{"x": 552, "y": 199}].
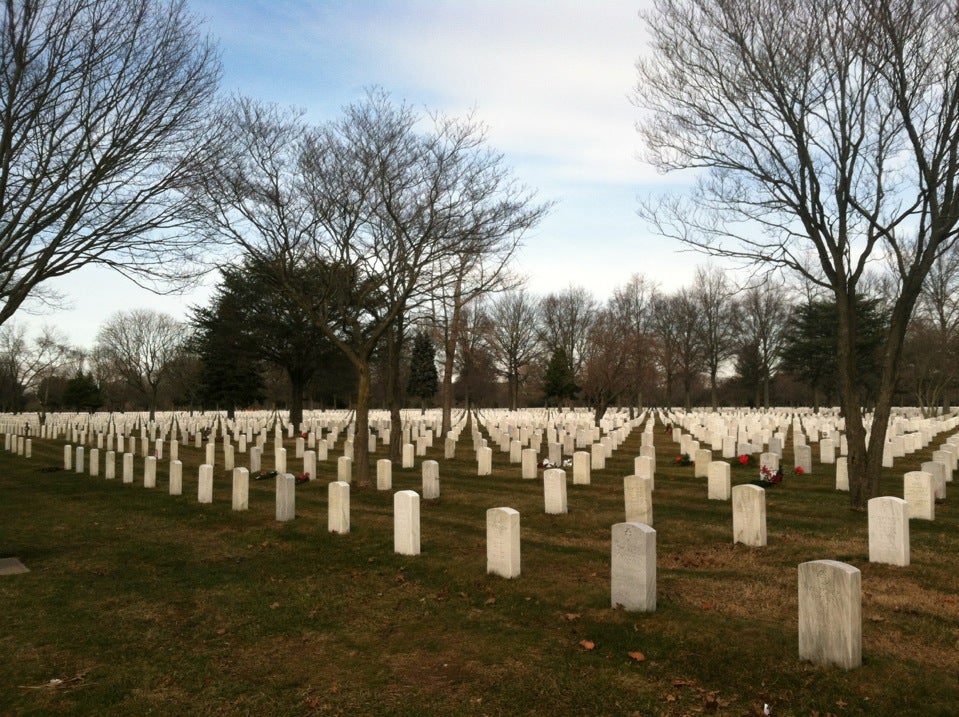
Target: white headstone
[
  {"x": 204, "y": 493},
  {"x": 176, "y": 477},
  {"x": 554, "y": 491},
  {"x": 920, "y": 494},
  {"x": 888, "y": 530},
  {"x": 702, "y": 457},
  {"x": 633, "y": 567},
  {"x": 285, "y": 497},
  {"x": 127, "y": 467},
  {"x": 384, "y": 474},
  {"x": 803, "y": 457},
  {"x": 938, "y": 472},
  {"x": 484, "y": 461},
  {"x": 638, "y": 499},
  {"x": 109, "y": 465},
  {"x": 338, "y": 519},
  {"x": 718, "y": 482},
  {"x": 406, "y": 522},
  {"x": 344, "y": 469},
  {"x": 502, "y": 542},
  {"x": 241, "y": 489},
  {"x": 830, "y": 613},
  {"x": 431, "y": 481},
  {"x": 842, "y": 473},
  {"x": 749, "y": 515},
  {"x": 150, "y": 472},
  {"x": 529, "y": 463},
  {"x": 581, "y": 468},
  {"x": 645, "y": 467}
]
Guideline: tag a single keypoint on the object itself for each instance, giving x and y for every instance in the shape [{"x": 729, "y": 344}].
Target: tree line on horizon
[{"x": 821, "y": 141}]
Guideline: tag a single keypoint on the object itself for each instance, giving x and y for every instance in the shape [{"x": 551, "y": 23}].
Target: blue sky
[{"x": 549, "y": 78}]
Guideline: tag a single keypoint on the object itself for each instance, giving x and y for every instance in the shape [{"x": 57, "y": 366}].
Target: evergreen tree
[
  {"x": 82, "y": 393},
  {"x": 558, "y": 381},
  {"x": 811, "y": 341},
  {"x": 424, "y": 379}
]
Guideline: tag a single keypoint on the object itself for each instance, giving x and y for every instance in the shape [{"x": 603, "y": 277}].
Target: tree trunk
[
  {"x": 296, "y": 400},
  {"x": 449, "y": 360},
  {"x": 361, "y": 437},
  {"x": 393, "y": 392}
]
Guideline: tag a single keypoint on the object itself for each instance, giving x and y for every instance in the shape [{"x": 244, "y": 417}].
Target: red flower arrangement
[{"x": 799, "y": 471}]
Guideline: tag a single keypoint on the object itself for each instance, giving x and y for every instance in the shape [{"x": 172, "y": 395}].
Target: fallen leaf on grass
[
  {"x": 573, "y": 616},
  {"x": 274, "y": 606},
  {"x": 490, "y": 601},
  {"x": 637, "y": 655},
  {"x": 587, "y": 645},
  {"x": 57, "y": 683}
]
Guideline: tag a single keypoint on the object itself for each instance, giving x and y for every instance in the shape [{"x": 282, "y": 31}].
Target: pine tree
[
  {"x": 424, "y": 379},
  {"x": 558, "y": 381}
]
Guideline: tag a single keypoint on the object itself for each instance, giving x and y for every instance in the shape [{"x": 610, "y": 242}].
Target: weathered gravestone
[
  {"x": 149, "y": 472},
  {"x": 344, "y": 469},
  {"x": 842, "y": 473},
  {"x": 204, "y": 491},
  {"x": 802, "y": 454},
  {"x": 285, "y": 497},
  {"x": 830, "y": 613},
  {"x": 241, "y": 489},
  {"x": 718, "y": 482},
  {"x": 919, "y": 493},
  {"x": 338, "y": 516},
  {"x": 888, "y": 530},
  {"x": 938, "y": 472},
  {"x": 384, "y": 474},
  {"x": 554, "y": 491},
  {"x": 484, "y": 461},
  {"x": 749, "y": 515},
  {"x": 502, "y": 542},
  {"x": 633, "y": 567},
  {"x": 638, "y": 499},
  {"x": 431, "y": 481}
]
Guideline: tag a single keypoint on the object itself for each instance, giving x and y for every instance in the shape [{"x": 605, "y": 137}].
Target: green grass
[{"x": 144, "y": 603}]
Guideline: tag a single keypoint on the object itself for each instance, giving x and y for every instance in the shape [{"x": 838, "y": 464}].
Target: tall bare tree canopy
[
  {"x": 826, "y": 135},
  {"x": 382, "y": 206},
  {"x": 102, "y": 109}
]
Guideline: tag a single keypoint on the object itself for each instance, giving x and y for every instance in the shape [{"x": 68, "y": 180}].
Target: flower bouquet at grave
[
  {"x": 303, "y": 478},
  {"x": 683, "y": 459},
  {"x": 746, "y": 460},
  {"x": 799, "y": 471},
  {"x": 768, "y": 478},
  {"x": 264, "y": 475}
]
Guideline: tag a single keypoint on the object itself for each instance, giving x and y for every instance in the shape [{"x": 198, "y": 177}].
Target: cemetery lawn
[{"x": 138, "y": 602}]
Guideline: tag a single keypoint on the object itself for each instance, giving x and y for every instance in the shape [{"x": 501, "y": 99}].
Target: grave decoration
[
  {"x": 768, "y": 477},
  {"x": 683, "y": 459}
]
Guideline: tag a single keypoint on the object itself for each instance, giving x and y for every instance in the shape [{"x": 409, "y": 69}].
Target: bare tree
[
  {"x": 103, "y": 105},
  {"x": 25, "y": 362},
  {"x": 713, "y": 296},
  {"x": 633, "y": 303},
  {"x": 512, "y": 338},
  {"x": 141, "y": 347},
  {"x": 678, "y": 336},
  {"x": 376, "y": 206},
  {"x": 605, "y": 375},
  {"x": 827, "y": 135},
  {"x": 764, "y": 312},
  {"x": 564, "y": 321}
]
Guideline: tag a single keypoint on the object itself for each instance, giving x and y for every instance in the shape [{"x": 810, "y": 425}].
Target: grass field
[{"x": 138, "y": 602}]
